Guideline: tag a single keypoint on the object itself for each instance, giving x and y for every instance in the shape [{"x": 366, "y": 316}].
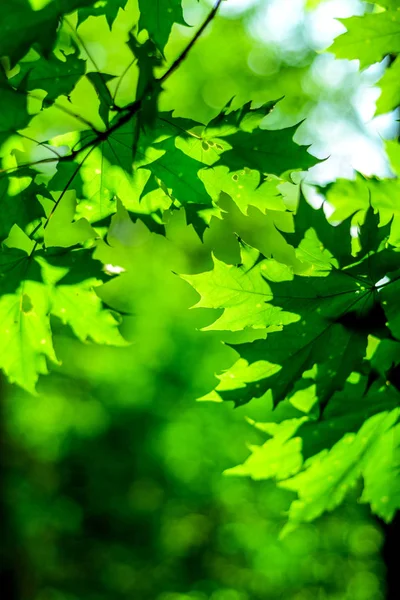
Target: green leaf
[
  {"x": 178, "y": 173},
  {"x": 371, "y": 235},
  {"x": 326, "y": 312},
  {"x": 318, "y": 242},
  {"x": 299, "y": 446},
  {"x": 26, "y": 334},
  {"x": 73, "y": 281},
  {"x": 108, "y": 8},
  {"x": 23, "y": 27},
  {"x": 13, "y": 115},
  {"x": 105, "y": 171},
  {"x": 390, "y": 90},
  {"x": 19, "y": 200},
  {"x": 369, "y": 38},
  {"x": 267, "y": 151},
  {"x": 66, "y": 174},
  {"x": 355, "y": 197},
  {"x": 148, "y": 87},
  {"x": 242, "y": 292},
  {"x": 390, "y": 4},
  {"x": 330, "y": 475},
  {"x": 32, "y": 289},
  {"x": 316, "y": 340},
  {"x": 15, "y": 265},
  {"x": 159, "y": 19},
  {"x": 245, "y": 117},
  {"x": 279, "y": 458},
  {"x": 55, "y": 76},
  {"x": 79, "y": 306},
  {"x": 382, "y": 475},
  {"x": 173, "y": 149},
  {"x": 60, "y": 230}
]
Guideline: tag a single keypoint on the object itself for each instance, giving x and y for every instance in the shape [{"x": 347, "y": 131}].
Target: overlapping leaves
[
  {"x": 316, "y": 320},
  {"x": 59, "y": 188},
  {"x": 325, "y": 358}
]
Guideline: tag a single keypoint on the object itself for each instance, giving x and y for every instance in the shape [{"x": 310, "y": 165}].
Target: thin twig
[
  {"x": 57, "y": 202},
  {"x": 44, "y": 144},
  {"x": 50, "y": 103},
  {"x": 130, "y": 110},
  {"x": 89, "y": 55},
  {"x": 120, "y": 81},
  {"x": 188, "y": 48}
]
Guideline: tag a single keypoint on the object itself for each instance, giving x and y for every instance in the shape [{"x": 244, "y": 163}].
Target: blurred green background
[
  {"x": 112, "y": 474},
  {"x": 115, "y": 486}
]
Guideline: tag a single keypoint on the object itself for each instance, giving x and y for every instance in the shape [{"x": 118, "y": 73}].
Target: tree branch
[
  {"x": 126, "y": 113},
  {"x": 188, "y": 48}
]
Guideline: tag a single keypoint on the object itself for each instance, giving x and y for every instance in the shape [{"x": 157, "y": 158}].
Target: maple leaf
[
  {"x": 329, "y": 476},
  {"x": 186, "y": 144},
  {"x": 60, "y": 230},
  {"x": 268, "y": 151},
  {"x": 109, "y": 9},
  {"x": 353, "y": 198},
  {"x": 99, "y": 82},
  {"x": 242, "y": 293},
  {"x": 159, "y": 19},
  {"x": 23, "y": 26},
  {"x": 245, "y": 117},
  {"x": 19, "y": 200},
  {"x": 369, "y": 38},
  {"x": 323, "y": 459},
  {"x": 26, "y": 334},
  {"x": 319, "y": 333},
  {"x": 316, "y": 340},
  {"x": 178, "y": 172},
  {"x": 42, "y": 289},
  {"x": 53, "y": 75}
]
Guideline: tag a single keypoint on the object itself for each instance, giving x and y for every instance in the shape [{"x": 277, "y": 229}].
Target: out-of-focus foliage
[{"x": 115, "y": 484}]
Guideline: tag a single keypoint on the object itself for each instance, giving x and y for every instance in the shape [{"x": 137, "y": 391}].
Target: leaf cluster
[{"x": 320, "y": 362}]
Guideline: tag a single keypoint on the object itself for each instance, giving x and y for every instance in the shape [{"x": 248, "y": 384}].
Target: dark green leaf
[
  {"x": 54, "y": 76},
  {"x": 272, "y": 152},
  {"x": 22, "y": 27},
  {"x": 158, "y": 19}
]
